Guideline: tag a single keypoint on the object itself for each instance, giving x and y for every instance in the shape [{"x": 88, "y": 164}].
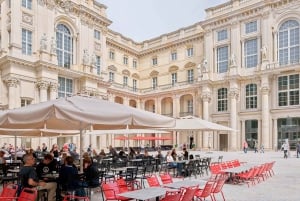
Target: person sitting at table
[
  {"x": 91, "y": 173},
  {"x": 68, "y": 176},
  {"x": 102, "y": 154},
  {"x": 132, "y": 154},
  {"x": 47, "y": 166},
  {"x": 174, "y": 154},
  {"x": 28, "y": 178},
  {"x": 2, "y": 159},
  {"x": 185, "y": 154},
  {"x": 173, "y": 164}
]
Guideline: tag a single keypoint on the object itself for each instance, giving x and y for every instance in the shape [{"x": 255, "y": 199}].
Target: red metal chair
[
  {"x": 9, "y": 190},
  {"x": 172, "y": 196},
  {"x": 28, "y": 194},
  {"x": 153, "y": 181},
  {"x": 74, "y": 197},
  {"x": 206, "y": 191},
  {"x": 111, "y": 191},
  {"x": 218, "y": 187},
  {"x": 166, "y": 178},
  {"x": 189, "y": 193}
]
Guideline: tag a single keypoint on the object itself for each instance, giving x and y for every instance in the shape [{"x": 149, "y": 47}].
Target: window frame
[
  {"x": 222, "y": 100},
  {"x": 27, "y": 36},
  {"x": 251, "y": 96},
  {"x": 65, "y": 92}
]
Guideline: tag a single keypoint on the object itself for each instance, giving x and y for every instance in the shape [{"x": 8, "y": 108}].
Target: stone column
[
  {"x": 176, "y": 105},
  {"x": 206, "y": 97},
  {"x": 275, "y": 135},
  {"x": 11, "y": 85},
  {"x": 243, "y": 133},
  {"x": 158, "y": 105},
  {"x": 43, "y": 86},
  {"x": 53, "y": 90},
  {"x": 265, "y": 135},
  {"x": 233, "y": 95}
]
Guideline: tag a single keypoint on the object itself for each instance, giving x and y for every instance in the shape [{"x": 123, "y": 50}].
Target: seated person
[
  {"x": 29, "y": 179},
  {"x": 173, "y": 164},
  {"x": 185, "y": 154},
  {"x": 68, "y": 175},
  {"x": 91, "y": 173},
  {"x": 47, "y": 166}
]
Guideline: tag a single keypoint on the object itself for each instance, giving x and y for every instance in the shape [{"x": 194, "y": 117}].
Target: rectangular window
[
  {"x": 190, "y": 74},
  {"x": 25, "y": 102},
  {"x": 26, "y": 42},
  {"x": 222, "y": 100},
  {"x": 134, "y": 85},
  {"x": 125, "y": 60},
  {"x": 174, "y": 79},
  {"x": 134, "y": 64},
  {"x": 251, "y": 27},
  {"x": 251, "y": 96},
  {"x": 154, "y": 82},
  {"x": 154, "y": 61},
  {"x": 65, "y": 87},
  {"x": 251, "y": 53},
  {"x": 288, "y": 90},
  {"x": 125, "y": 81},
  {"x": 97, "y": 34},
  {"x": 190, "y": 52},
  {"x": 27, "y": 4},
  {"x": 174, "y": 56},
  {"x": 112, "y": 55},
  {"x": 111, "y": 77},
  {"x": 98, "y": 64},
  {"x": 190, "y": 106},
  {"x": 222, "y": 35},
  {"x": 222, "y": 56}
]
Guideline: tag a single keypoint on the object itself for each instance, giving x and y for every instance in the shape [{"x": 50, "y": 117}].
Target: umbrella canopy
[
  {"x": 125, "y": 131},
  {"x": 191, "y": 123},
  {"x": 121, "y": 137},
  {"x": 80, "y": 113}
]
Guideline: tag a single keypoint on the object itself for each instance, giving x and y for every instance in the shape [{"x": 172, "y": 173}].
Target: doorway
[{"x": 223, "y": 142}]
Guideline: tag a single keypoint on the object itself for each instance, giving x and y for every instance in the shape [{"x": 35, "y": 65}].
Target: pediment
[
  {"x": 154, "y": 73},
  {"x": 126, "y": 72},
  {"x": 173, "y": 68},
  {"x": 190, "y": 65},
  {"x": 112, "y": 68},
  {"x": 135, "y": 75}
]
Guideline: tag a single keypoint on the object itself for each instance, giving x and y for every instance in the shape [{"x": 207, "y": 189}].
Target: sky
[{"x": 146, "y": 19}]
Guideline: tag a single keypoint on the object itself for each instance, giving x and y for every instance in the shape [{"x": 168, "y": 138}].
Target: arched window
[
  {"x": 288, "y": 43},
  {"x": 251, "y": 96},
  {"x": 64, "y": 46}
]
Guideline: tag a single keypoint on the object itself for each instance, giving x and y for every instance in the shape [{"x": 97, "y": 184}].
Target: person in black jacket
[
  {"x": 91, "y": 173},
  {"x": 47, "y": 166}
]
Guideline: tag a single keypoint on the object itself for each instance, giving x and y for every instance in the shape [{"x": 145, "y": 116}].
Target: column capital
[
  {"x": 265, "y": 90},
  {"x": 11, "y": 82},
  {"x": 41, "y": 84},
  {"x": 234, "y": 93},
  {"x": 53, "y": 87},
  {"x": 206, "y": 97}
]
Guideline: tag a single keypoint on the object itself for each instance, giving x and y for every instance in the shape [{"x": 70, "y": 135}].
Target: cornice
[
  {"x": 124, "y": 48},
  {"x": 171, "y": 44}
]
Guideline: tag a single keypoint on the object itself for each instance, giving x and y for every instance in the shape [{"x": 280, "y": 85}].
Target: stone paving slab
[{"x": 283, "y": 186}]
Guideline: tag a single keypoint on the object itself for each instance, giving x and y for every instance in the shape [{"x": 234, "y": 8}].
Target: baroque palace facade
[{"x": 239, "y": 67}]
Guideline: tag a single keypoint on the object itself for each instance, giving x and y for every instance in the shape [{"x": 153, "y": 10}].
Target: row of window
[
  {"x": 154, "y": 62},
  {"x": 288, "y": 93},
  {"x": 288, "y": 46},
  {"x": 64, "y": 47}
]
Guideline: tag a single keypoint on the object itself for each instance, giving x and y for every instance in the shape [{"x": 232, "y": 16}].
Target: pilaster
[
  {"x": 43, "y": 87},
  {"x": 11, "y": 83},
  {"x": 233, "y": 95}
]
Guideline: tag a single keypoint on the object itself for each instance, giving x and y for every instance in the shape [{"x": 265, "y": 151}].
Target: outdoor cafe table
[
  {"x": 186, "y": 183},
  {"x": 239, "y": 169},
  {"x": 145, "y": 193}
]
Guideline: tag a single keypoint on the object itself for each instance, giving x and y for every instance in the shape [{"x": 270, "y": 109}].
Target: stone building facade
[{"x": 239, "y": 67}]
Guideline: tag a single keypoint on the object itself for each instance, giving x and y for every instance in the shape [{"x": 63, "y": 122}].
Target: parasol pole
[{"x": 15, "y": 146}]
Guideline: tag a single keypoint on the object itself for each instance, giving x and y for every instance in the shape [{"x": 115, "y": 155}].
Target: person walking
[
  {"x": 262, "y": 148},
  {"x": 285, "y": 147},
  {"x": 245, "y": 146},
  {"x": 255, "y": 147},
  {"x": 298, "y": 149}
]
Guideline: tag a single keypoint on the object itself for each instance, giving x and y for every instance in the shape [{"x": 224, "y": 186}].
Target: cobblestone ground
[{"x": 283, "y": 186}]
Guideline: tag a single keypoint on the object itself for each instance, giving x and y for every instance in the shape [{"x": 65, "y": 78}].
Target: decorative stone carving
[
  {"x": 234, "y": 93},
  {"x": 204, "y": 66},
  {"x": 264, "y": 51},
  {"x": 206, "y": 97},
  {"x": 53, "y": 45},
  {"x": 11, "y": 82},
  {"x": 93, "y": 60},
  {"x": 53, "y": 87},
  {"x": 43, "y": 85},
  {"x": 233, "y": 60},
  {"x": 26, "y": 18},
  {"x": 85, "y": 59},
  {"x": 97, "y": 46},
  {"x": 265, "y": 90},
  {"x": 43, "y": 42}
]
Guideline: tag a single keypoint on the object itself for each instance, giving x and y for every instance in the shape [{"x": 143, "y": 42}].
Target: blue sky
[{"x": 145, "y": 19}]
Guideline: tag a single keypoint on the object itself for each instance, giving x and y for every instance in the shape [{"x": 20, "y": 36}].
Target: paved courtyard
[{"x": 283, "y": 186}]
